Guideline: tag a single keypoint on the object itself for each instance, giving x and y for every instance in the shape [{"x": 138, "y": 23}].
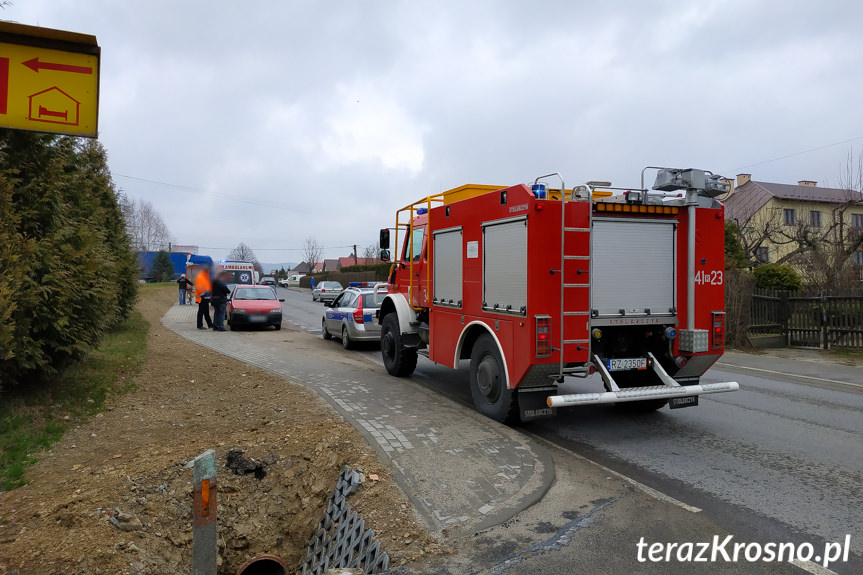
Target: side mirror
[
  {"x": 282, "y": 299},
  {"x": 385, "y": 255},
  {"x": 385, "y": 239}
]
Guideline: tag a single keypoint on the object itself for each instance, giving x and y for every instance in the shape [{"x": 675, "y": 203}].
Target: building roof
[
  {"x": 331, "y": 265},
  {"x": 752, "y": 196},
  {"x": 349, "y": 261},
  {"x": 304, "y": 268}
]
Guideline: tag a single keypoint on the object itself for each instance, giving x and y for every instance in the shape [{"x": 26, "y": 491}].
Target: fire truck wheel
[
  {"x": 400, "y": 361},
  {"x": 346, "y": 338},
  {"x": 488, "y": 384},
  {"x": 327, "y": 334}
]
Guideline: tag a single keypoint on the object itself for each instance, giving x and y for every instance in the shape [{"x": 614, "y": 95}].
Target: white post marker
[{"x": 204, "y": 546}]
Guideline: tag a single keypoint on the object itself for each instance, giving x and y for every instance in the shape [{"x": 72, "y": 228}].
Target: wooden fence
[{"x": 826, "y": 319}]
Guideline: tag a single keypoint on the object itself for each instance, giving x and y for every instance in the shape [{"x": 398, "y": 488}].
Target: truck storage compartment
[
  {"x": 447, "y": 273},
  {"x": 505, "y": 266},
  {"x": 633, "y": 267}
]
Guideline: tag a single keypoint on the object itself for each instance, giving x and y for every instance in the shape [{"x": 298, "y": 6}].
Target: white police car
[{"x": 353, "y": 315}]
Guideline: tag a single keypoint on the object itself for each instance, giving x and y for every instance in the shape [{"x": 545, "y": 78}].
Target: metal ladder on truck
[
  {"x": 574, "y": 274},
  {"x": 575, "y": 284}
]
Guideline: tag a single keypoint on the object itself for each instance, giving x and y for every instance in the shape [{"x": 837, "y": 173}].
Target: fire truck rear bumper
[{"x": 641, "y": 393}]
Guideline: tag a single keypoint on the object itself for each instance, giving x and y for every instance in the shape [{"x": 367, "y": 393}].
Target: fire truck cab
[{"x": 533, "y": 285}]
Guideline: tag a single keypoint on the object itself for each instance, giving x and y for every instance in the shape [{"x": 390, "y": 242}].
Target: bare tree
[
  {"x": 371, "y": 254},
  {"x": 243, "y": 253},
  {"x": 313, "y": 253},
  {"x": 144, "y": 225},
  {"x": 830, "y": 264}
]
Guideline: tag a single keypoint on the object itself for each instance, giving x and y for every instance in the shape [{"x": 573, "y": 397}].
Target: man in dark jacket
[
  {"x": 184, "y": 284},
  {"x": 221, "y": 292}
]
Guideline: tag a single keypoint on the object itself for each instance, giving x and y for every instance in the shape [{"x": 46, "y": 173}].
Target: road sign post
[
  {"x": 204, "y": 545},
  {"x": 49, "y": 80}
]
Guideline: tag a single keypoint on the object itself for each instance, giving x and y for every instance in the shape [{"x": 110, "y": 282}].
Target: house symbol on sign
[{"x": 54, "y": 106}]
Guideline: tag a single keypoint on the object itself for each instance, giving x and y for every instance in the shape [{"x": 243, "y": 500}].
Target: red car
[{"x": 254, "y": 305}]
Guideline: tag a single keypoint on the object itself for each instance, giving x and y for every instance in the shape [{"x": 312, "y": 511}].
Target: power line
[
  {"x": 792, "y": 155},
  {"x": 202, "y": 191},
  {"x": 277, "y": 249}
]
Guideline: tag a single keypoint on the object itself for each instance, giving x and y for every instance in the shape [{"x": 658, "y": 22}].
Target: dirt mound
[{"x": 133, "y": 458}]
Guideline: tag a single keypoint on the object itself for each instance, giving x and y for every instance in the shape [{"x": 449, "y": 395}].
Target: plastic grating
[{"x": 342, "y": 540}]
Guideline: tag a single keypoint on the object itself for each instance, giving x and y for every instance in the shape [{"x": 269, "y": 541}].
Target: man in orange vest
[{"x": 203, "y": 290}]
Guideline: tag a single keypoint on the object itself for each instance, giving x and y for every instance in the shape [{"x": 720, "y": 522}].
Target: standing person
[
  {"x": 221, "y": 291},
  {"x": 203, "y": 290},
  {"x": 312, "y": 282},
  {"x": 183, "y": 283}
]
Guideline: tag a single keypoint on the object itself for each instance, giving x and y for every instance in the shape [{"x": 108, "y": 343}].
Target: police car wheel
[
  {"x": 400, "y": 361},
  {"x": 346, "y": 338},
  {"x": 488, "y": 385},
  {"x": 327, "y": 334}
]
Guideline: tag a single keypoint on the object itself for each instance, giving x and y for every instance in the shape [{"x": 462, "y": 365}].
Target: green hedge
[
  {"x": 777, "y": 276},
  {"x": 381, "y": 270},
  {"x": 68, "y": 271}
]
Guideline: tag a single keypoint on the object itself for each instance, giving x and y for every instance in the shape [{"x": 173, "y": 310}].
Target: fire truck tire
[
  {"x": 325, "y": 331},
  {"x": 488, "y": 385},
  {"x": 346, "y": 338},
  {"x": 400, "y": 361}
]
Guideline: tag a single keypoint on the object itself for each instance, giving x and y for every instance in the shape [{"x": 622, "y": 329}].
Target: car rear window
[
  {"x": 369, "y": 300},
  {"x": 330, "y": 285}
]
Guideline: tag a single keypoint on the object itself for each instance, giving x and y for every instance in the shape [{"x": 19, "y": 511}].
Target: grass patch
[
  {"x": 33, "y": 416},
  {"x": 841, "y": 352}
]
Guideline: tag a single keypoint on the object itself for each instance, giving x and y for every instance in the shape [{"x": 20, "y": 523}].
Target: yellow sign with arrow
[{"x": 49, "y": 80}]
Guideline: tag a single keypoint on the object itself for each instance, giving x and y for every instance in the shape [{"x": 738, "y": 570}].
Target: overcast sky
[{"x": 335, "y": 113}]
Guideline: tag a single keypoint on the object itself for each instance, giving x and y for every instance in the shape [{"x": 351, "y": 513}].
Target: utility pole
[{"x": 355, "y": 255}]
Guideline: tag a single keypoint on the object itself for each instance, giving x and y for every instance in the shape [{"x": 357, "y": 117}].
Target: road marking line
[
  {"x": 722, "y": 364},
  {"x": 813, "y": 568},
  {"x": 637, "y": 484}
]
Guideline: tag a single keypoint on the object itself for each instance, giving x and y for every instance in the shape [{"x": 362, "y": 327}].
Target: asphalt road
[{"x": 777, "y": 461}]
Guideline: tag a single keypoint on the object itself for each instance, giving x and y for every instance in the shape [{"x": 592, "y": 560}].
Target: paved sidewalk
[{"x": 463, "y": 471}]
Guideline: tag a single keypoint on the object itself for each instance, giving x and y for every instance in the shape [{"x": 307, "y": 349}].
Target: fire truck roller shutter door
[
  {"x": 633, "y": 267},
  {"x": 448, "y": 267},
  {"x": 505, "y": 265}
]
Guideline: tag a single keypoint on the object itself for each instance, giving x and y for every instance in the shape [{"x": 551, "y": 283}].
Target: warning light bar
[{"x": 636, "y": 208}]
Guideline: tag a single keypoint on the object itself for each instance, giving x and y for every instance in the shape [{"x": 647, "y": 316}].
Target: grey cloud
[{"x": 344, "y": 111}]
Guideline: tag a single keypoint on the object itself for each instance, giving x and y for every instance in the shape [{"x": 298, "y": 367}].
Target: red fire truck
[{"x": 533, "y": 285}]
